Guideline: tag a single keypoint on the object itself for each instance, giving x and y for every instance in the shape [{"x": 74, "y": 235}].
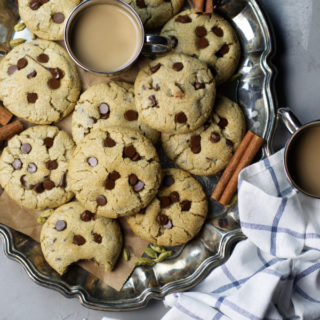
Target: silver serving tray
[{"x": 191, "y": 263}]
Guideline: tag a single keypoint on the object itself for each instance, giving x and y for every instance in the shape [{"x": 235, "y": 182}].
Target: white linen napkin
[{"x": 275, "y": 273}]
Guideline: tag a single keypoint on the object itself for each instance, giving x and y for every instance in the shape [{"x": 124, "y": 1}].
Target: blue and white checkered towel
[{"x": 275, "y": 273}]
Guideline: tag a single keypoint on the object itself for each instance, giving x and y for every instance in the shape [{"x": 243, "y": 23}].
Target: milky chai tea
[
  {"x": 106, "y": 37},
  {"x": 303, "y": 160}
]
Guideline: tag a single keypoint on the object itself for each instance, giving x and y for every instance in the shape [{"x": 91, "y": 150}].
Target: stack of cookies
[{"x": 111, "y": 165}]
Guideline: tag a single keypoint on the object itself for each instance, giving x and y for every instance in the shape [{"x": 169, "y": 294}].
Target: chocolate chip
[
  {"x": 185, "y": 205},
  {"x": 217, "y": 31},
  {"x": 162, "y": 219},
  {"x": 215, "y": 137},
  {"x": 168, "y": 225},
  {"x": 174, "y": 41},
  {"x": 202, "y": 43},
  {"x": 223, "y": 123},
  {"x": 12, "y": 70},
  {"x": 131, "y": 115},
  {"x": 109, "y": 142},
  {"x": 153, "y": 100},
  {"x": 78, "y": 240},
  {"x": 196, "y": 144},
  {"x": 54, "y": 84},
  {"x": 58, "y": 17},
  {"x": 56, "y": 73},
  {"x": 43, "y": 58},
  {"x": 22, "y": 63},
  {"x": 23, "y": 182},
  {"x": 183, "y": 19},
  {"x": 48, "y": 184},
  {"x": 165, "y": 202},
  {"x": 141, "y": 4},
  {"x": 157, "y": 87},
  {"x": 174, "y": 196},
  {"x": 32, "y": 167},
  {"x": 44, "y": 1},
  {"x": 61, "y": 225},
  {"x": 52, "y": 164},
  {"x": 38, "y": 187},
  {"x": 34, "y": 4},
  {"x": 114, "y": 175},
  {"x": 199, "y": 85},
  {"x": 155, "y": 68},
  {"x": 32, "y": 74},
  {"x": 180, "y": 117},
  {"x": 25, "y": 148},
  {"x": 139, "y": 186},
  {"x": 104, "y": 111},
  {"x": 97, "y": 238},
  {"x": 32, "y": 97},
  {"x": 133, "y": 179},
  {"x": 167, "y": 181},
  {"x": 48, "y": 142},
  {"x": 93, "y": 161},
  {"x": 229, "y": 143},
  {"x": 63, "y": 181},
  {"x": 224, "y": 50},
  {"x": 109, "y": 184},
  {"x": 87, "y": 216},
  {"x": 17, "y": 164},
  {"x": 101, "y": 200},
  {"x": 200, "y": 31},
  {"x": 131, "y": 152},
  {"x": 177, "y": 66}
]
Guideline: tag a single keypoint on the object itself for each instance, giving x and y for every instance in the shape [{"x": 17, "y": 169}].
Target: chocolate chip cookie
[
  {"x": 114, "y": 172},
  {"x": 208, "y": 149},
  {"x": 34, "y": 167},
  {"x": 73, "y": 233},
  {"x": 175, "y": 93},
  {"x": 207, "y": 37},
  {"x": 46, "y": 18},
  {"x": 155, "y": 13},
  {"x": 39, "y": 82},
  {"x": 108, "y": 104},
  {"x": 176, "y": 215}
]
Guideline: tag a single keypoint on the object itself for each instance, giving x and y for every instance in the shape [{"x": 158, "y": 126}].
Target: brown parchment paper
[{"x": 25, "y": 220}]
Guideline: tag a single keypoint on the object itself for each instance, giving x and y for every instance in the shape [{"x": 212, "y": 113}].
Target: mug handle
[
  {"x": 155, "y": 44},
  {"x": 290, "y": 121}
]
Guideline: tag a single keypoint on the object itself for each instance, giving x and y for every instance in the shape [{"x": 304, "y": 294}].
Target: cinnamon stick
[
  {"x": 245, "y": 160},
  {"x": 5, "y": 116},
  {"x": 230, "y": 169},
  {"x": 9, "y": 130},
  {"x": 199, "y": 5},
  {"x": 209, "y": 6}
]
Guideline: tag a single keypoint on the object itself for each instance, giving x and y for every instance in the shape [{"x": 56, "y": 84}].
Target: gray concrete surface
[{"x": 296, "y": 25}]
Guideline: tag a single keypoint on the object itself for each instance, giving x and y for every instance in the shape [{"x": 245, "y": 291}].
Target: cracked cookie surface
[
  {"x": 155, "y": 13},
  {"x": 175, "y": 93},
  {"x": 176, "y": 215},
  {"x": 115, "y": 172},
  {"x": 34, "y": 166},
  {"x": 208, "y": 149},
  {"x": 46, "y": 18},
  {"x": 39, "y": 82},
  {"x": 207, "y": 37},
  {"x": 73, "y": 233},
  {"x": 108, "y": 104}
]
